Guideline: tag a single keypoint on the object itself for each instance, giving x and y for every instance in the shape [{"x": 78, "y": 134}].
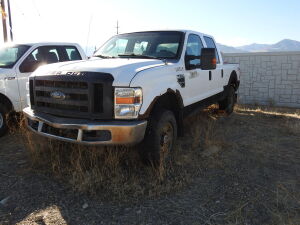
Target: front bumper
[{"x": 85, "y": 131}]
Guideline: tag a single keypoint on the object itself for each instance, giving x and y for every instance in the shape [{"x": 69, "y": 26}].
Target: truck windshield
[
  {"x": 9, "y": 55},
  {"x": 153, "y": 44}
]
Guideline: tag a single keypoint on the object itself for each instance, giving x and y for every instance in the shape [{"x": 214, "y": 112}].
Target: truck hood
[
  {"x": 4, "y": 70},
  {"x": 122, "y": 69}
]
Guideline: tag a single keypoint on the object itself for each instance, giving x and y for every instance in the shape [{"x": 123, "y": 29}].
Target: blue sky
[{"x": 232, "y": 22}]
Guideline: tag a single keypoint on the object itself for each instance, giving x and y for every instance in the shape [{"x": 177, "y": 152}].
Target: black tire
[
  {"x": 228, "y": 103},
  {"x": 3, "y": 120},
  {"x": 160, "y": 138}
]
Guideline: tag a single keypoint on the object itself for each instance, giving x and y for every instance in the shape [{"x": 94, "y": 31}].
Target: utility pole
[
  {"x": 117, "y": 27},
  {"x": 10, "y": 22},
  {"x": 3, "y": 20}
]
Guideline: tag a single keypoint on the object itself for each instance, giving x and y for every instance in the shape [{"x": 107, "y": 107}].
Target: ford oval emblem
[{"x": 58, "y": 95}]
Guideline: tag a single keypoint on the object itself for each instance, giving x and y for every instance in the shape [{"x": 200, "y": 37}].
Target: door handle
[{"x": 210, "y": 75}]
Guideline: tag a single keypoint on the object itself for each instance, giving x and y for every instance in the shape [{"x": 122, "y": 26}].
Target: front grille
[{"x": 73, "y": 96}]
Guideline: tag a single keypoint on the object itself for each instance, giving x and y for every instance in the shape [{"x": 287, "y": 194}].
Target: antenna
[
  {"x": 88, "y": 35},
  {"x": 117, "y": 27}
]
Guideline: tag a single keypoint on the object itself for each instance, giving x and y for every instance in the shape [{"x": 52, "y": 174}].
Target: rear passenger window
[
  {"x": 211, "y": 44},
  {"x": 73, "y": 53}
]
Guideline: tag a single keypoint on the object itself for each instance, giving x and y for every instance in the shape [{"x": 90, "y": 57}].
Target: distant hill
[
  {"x": 229, "y": 49},
  {"x": 254, "y": 47},
  {"x": 284, "y": 45}
]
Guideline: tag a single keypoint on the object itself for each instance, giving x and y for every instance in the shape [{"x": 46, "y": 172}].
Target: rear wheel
[
  {"x": 160, "y": 138},
  {"x": 228, "y": 103},
  {"x": 3, "y": 120}
]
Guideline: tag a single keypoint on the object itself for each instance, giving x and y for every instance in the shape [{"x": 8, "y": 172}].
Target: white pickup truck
[
  {"x": 137, "y": 87},
  {"x": 18, "y": 61}
]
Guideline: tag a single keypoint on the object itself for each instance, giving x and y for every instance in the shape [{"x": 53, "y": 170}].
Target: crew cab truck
[
  {"x": 18, "y": 61},
  {"x": 136, "y": 88}
]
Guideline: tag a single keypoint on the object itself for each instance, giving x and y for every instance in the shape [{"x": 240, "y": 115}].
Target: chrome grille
[
  {"x": 89, "y": 96},
  {"x": 76, "y": 95}
]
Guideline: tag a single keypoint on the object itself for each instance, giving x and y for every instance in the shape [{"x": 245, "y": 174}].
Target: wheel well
[
  {"x": 171, "y": 101},
  {"x": 5, "y": 100},
  {"x": 233, "y": 80}
]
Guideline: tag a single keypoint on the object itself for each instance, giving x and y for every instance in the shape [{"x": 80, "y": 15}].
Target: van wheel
[
  {"x": 228, "y": 103},
  {"x": 160, "y": 138},
  {"x": 3, "y": 120}
]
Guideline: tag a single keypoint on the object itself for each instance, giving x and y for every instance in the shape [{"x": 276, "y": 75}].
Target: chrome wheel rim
[{"x": 1, "y": 120}]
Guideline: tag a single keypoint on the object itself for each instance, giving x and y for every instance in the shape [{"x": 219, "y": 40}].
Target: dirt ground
[{"x": 242, "y": 169}]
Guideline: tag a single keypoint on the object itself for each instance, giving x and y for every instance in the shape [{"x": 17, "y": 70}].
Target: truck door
[
  {"x": 40, "y": 56},
  {"x": 9, "y": 56},
  {"x": 196, "y": 79},
  {"x": 216, "y": 75}
]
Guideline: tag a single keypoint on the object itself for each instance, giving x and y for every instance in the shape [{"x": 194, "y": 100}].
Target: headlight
[{"x": 128, "y": 102}]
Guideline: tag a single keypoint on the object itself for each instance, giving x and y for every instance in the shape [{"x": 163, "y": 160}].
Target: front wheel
[
  {"x": 3, "y": 120},
  {"x": 228, "y": 103},
  {"x": 160, "y": 138}
]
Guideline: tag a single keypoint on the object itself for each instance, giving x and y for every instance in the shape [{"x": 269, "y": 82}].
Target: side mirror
[
  {"x": 208, "y": 59},
  {"x": 188, "y": 59}
]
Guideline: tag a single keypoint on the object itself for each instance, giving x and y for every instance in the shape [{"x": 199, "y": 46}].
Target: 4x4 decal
[{"x": 181, "y": 80}]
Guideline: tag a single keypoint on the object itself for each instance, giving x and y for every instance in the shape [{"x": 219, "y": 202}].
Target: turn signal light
[
  {"x": 214, "y": 61},
  {"x": 128, "y": 100}
]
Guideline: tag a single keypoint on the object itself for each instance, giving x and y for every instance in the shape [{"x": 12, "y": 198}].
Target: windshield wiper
[
  {"x": 138, "y": 56},
  {"x": 104, "y": 56}
]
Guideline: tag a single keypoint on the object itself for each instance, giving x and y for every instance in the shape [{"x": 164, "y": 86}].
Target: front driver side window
[
  {"x": 32, "y": 62},
  {"x": 193, "y": 48}
]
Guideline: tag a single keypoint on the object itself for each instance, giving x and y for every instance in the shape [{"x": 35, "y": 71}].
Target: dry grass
[
  {"x": 270, "y": 111},
  {"x": 118, "y": 171},
  {"x": 248, "y": 162}
]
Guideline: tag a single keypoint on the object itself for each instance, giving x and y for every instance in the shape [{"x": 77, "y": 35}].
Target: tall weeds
[{"x": 117, "y": 172}]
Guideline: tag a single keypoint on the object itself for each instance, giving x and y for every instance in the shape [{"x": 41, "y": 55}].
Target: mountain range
[{"x": 284, "y": 45}]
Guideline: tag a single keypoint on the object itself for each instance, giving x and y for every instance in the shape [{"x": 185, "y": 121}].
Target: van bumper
[{"x": 85, "y": 131}]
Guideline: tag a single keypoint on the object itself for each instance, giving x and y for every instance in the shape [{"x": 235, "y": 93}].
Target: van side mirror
[{"x": 208, "y": 59}]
